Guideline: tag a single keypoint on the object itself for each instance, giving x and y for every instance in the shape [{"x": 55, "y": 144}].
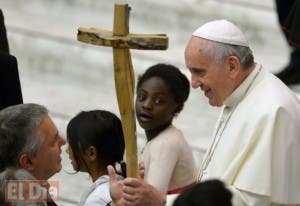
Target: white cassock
[{"x": 256, "y": 144}]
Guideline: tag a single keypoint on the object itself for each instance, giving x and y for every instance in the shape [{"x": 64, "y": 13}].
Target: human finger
[
  {"x": 133, "y": 182},
  {"x": 142, "y": 169},
  {"x": 112, "y": 174}
]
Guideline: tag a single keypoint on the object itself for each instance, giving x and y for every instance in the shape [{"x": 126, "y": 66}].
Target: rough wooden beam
[{"x": 131, "y": 41}]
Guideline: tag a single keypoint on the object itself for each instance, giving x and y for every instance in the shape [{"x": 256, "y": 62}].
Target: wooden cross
[{"x": 121, "y": 41}]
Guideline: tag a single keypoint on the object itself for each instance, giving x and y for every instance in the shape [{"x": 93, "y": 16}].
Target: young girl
[
  {"x": 95, "y": 141},
  {"x": 168, "y": 160}
]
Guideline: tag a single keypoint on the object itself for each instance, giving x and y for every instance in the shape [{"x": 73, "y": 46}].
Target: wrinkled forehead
[
  {"x": 47, "y": 128},
  {"x": 195, "y": 45},
  {"x": 195, "y": 49}
]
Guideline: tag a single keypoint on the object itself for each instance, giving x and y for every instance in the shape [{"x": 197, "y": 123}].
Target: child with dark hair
[
  {"x": 167, "y": 157},
  {"x": 207, "y": 193},
  {"x": 95, "y": 141}
]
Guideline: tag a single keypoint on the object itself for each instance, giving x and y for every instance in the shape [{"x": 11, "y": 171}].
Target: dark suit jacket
[
  {"x": 10, "y": 88},
  {"x": 51, "y": 204},
  {"x": 3, "y": 38},
  {"x": 289, "y": 18}
]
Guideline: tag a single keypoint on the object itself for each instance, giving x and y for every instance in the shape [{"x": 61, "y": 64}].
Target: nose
[
  {"x": 68, "y": 150},
  {"x": 62, "y": 141},
  {"x": 147, "y": 104},
  {"x": 195, "y": 82}
]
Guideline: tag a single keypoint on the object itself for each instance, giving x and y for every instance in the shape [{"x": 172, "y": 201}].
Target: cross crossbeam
[{"x": 121, "y": 41}]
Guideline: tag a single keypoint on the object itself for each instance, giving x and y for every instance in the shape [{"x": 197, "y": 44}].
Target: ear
[
  {"x": 26, "y": 163},
  {"x": 233, "y": 67},
  {"x": 91, "y": 153}
]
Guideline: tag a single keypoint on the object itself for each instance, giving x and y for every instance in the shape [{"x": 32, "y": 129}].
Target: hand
[
  {"x": 115, "y": 186},
  {"x": 136, "y": 192},
  {"x": 142, "y": 170}
]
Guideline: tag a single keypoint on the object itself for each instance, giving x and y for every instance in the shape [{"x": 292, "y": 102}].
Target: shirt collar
[{"x": 237, "y": 95}]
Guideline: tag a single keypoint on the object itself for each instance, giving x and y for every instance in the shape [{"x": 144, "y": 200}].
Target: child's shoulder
[
  {"x": 171, "y": 135},
  {"x": 100, "y": 194},
  {"x": 171, "y": 131}
]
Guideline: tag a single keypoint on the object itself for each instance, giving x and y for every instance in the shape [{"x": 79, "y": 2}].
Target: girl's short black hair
[
  {"x": 101, "y": 129},
  {"x": 176, "y": 81}
]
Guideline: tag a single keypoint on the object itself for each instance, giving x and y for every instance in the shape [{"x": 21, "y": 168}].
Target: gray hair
[
  {"x": 220, "y": 51},
  {"x": 12, "y": 173},
  {"x": 19, "y": 132}
]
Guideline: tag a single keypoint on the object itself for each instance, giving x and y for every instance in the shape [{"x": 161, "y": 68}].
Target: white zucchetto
[{"x": 222, "y": 31}]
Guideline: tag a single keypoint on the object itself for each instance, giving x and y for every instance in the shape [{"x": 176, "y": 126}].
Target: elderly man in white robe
[{"x": 255, "y": 148}]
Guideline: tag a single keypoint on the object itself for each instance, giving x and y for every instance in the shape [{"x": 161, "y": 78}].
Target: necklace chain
[{"x": 218, "y": 134}]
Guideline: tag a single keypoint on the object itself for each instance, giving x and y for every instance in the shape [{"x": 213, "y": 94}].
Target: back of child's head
[
  {"x": 207, "y": 193},
  {"x": 175, "y": 80},
  {"x": 98, "y": 128}
]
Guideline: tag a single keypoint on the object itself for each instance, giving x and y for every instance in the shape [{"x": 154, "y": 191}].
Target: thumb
[
  {"x": 112, "y": 174},
  {"x": 115, "y": 186}
]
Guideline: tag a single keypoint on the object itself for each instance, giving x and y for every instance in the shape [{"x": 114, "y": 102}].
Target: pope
[{"x": 255, "y": 146}]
